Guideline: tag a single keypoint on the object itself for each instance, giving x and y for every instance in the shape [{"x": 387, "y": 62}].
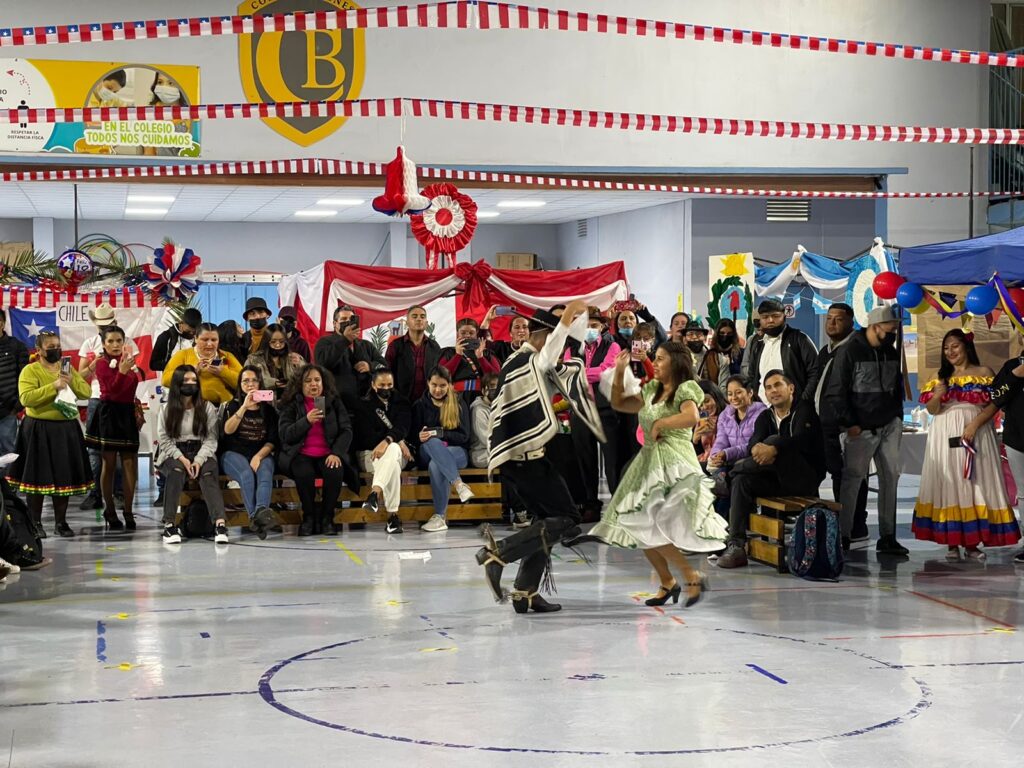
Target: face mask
[
  {"x": 106, "y": 94},
  {"x": 189, "y": 390},
  {"x": 724, "y": 342},
  {"x": 52, "y": 355},
  {"x": 258, "y": 324},
  {"x": 592, "y": 335},
  {"x": 626, "y": 332},
  {"x": 886, "y": 339},
  {"x": 288, "y": 325},
  {"x": 776, "y": 331},
  {"x": 695, "y": 346},
  {"x": 278, "y": 352},
  {"x": 187, "y": 335},
  {"x": 168, "y": 94},
  {"x": 491, "y": 393},
  {"x": 384, "y": 394}
]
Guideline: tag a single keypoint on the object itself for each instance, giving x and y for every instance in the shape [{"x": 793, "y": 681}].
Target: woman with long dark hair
[
  {"x": 187, "y": 448},
  {"x": 277, "y": 363},
  {"x": 664, "y": 502},
  {"x": 962, "y": 501},
  {"x": 707, "y": 428}
]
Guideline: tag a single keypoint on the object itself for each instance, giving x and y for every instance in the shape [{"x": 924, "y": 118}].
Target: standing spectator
[
  {"x": 287, "y": 318},
  {"x": 230, "y": 334},
  {"x": 13, "y": 357},
  {"x": 962, "y": 501},
  {"x": 411, "y": 357},
  {"x": 441, "y": 424},
  {"x": 469, "y": 360},
  {"x": 257, "y": 315},
  {"x": 276, "y": 362},
  {"x": 187, "y": 446},
  {"x": 645, "y": 346},
  {"x": 347, "y": 357},
  {"x": 218, "y": 370},
  {"x": 725, "y": 354},
  {"x": 706, "y": 431},
  {"x": 1008, "y": 394},
  {"x": 519, "y": 332},
  {"x": 382, "y": 427},
  {"x": 677, "y": 326},
  {"x": 786, "y": 459},
  {"x": 839, "y": 329},
  {"x": 782, "y": 348},
  {"x": 114, "y": 428},
  {"x": 480, "y": 418},
  {"x": 52, "y": 460},
  {"x": 181, "y": 335},
  {"x": 865, "y": 392},
  {"x": 694, "y": 337},
  {"x": 247, "y": 443},
  {"x": 90, "y": 356},
  {"x": 758, "y": 335},
  {"x": 732, "y": 437},
  {"x": 313, "y": 441}
]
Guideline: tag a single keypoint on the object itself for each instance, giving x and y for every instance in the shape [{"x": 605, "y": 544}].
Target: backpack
[
  {"x": 196, "y": 522},
  {"x": 816, "y": 549},
  {"x": 18, "y": 542}
]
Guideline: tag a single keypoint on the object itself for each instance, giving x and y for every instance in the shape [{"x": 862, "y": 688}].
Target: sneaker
[
  {"x": 220, "y": 535},
  {"x": 171, "y": 534},
  {"x": 1019, "y": 558},
  {"x": 889, "y": 546},
  {"x": 859, "y": 534},
  {"x": 91, "y": 501},
  {"x": 435, "y": 524},
  {"x": 735, "y": 556},
  {"x": 12, "y": 569},
  {"x": 521, "y": 519},
  {"x": 394, "y": 524},
  {"x": 372, "y": 504},
  {"x": 464, "y": 491}
]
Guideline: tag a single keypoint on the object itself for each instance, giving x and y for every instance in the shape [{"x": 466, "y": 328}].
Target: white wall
[{"x": 15, "y": 230}]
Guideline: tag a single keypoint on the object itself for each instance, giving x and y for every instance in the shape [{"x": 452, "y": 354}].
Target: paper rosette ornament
[
  {"x": 174, "y": 273},
  {"x": 447, "y": 226},
  {"x": 400, "y": 188},
  {"x": 75, "y": 266}
]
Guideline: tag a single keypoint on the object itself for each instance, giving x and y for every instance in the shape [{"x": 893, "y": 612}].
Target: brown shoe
[{"x": 735, "y": 556}]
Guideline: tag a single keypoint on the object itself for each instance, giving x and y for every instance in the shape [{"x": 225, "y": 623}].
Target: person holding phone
[
  {"x": 276, "y": 362},
  {"x": 316, "y": 433},
  {"x": 187, "y": 450},
  {"x": 348, "y": 357},
  {"x": 518, "y": 329},
  {"x": 469, "y": 360},
  {"x": 218, "y": 370},
  {"x": 114, "y": 429},
  {"x": 247, "y": 442},
  {"x": 960, "y": 504},
  {"x": 52, "y": 460}
]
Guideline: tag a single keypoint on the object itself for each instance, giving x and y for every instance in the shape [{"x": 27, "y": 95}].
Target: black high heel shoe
[
  {"x": 112, "y": 521},
  {"x": 702, "y": 587},
  {"x": 129, "y": 521},
  {"x": 661, "y": 599},
  {"x": 63, "y": 530}
]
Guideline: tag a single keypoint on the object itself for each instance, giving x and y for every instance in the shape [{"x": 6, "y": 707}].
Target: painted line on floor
[
  {"x": 946, "y": 634},
  {"x": 99, "y": 567},
  {"x": 352, "y": 555},
  {"x": 439, "y": 630},
  {"x": 101, "y": 642},
  {"x": 961, "y": 608},
  {"x": 767, "y": 674},
  {"x": 954, "y": 664}
]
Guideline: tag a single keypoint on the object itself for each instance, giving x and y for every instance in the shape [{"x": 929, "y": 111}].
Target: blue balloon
[
  {"x": 909, "y": 295},
  {"x": 981, "y": 300}
]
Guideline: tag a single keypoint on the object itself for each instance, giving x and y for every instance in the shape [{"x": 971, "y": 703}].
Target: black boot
[
  {"x": 327, "y": 524},
  {"x": 523, "y": 602},
  {"x": 306, "y": 527}
]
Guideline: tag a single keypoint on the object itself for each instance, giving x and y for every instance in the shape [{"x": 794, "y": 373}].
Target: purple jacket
[{"x": 733, "y": 437}]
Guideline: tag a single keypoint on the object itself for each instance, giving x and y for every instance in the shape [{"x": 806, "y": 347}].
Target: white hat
[
  {"x": 883, "y": 314},
  {"x": 104, "y": 315}
]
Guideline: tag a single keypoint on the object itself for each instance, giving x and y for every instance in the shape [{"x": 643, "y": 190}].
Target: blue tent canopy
[{"x": 966, "y": 262}]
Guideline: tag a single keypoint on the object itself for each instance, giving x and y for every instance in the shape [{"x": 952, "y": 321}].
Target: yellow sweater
[
  {"x": 216, "y": 388},
  {"x": 37, "y": 393}
]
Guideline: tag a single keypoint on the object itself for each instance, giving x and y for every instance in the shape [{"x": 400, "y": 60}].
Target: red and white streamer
[
  {"x": 530, "y": 115},
  {"x": 41, "y": 298},
  {"x": 484, "y": 15}
]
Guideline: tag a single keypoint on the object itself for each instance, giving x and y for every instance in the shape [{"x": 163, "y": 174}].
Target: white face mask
[
  {"x": 168, "y": 94},
  {"x": 106, "y": 94}
]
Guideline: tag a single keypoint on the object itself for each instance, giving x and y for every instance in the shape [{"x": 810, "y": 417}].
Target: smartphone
[
  {"x": 263, "y": 396},
  {"x": 65, "y": 366},
  {"x": 471, "y": 345},
  {"x": 320, "y": 403},
  {"x": 432, "y": 432},
  {"x": 505, "y": 311},
  {"x": 956, "y": 442},
  {"x": 640, "y": 349},
  {"x": 217, "y": 361}
]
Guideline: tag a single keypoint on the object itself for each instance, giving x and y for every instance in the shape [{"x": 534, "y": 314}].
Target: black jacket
[
  {"x": 826, "y": 412},
  {"x": 293, "y": 427},
  {"x": 13, "y": 357},
  {"x": 376, "y": 421},
  {"x": 865, "y": 388},
  {"x": 426, "y": 414},
  {"x": 400, "y": 360},
  {"x": 163, "y": 348},
  {"x": 334, "y": 353},
  {"x": 1008, "y": 394},
  {"x": 800, "y": 465},
  {"x": 233, "y": 442},
  {"x": 799, "y": 361}
]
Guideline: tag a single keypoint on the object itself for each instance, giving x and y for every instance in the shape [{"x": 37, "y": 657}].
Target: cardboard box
[
  {"x": 516, "y": 260},
  {"x": 8, "y": 251}
]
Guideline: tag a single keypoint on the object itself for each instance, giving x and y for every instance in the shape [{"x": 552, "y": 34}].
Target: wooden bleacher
[{"x": 766, "y": 537}]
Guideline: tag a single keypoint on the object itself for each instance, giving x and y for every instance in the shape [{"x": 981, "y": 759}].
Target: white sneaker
[
  {"x": 12, "y": 569},
  {"x": 221, "y": 534},
  {"x": 464, "y": 491},
  {"x": 171, "y": 535},
  {"x": 435, "y": 524}
]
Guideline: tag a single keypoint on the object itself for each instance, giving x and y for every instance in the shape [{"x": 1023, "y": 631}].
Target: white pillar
[
  {"x": 42, "y": 237},
  {"x": 399, "y": 231},
  {"x": 687, "y": 255}
]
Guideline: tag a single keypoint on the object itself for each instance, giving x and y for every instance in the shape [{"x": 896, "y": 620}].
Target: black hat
[
  {"x": 192, "y": 317},
  {"x": 695, "y": 325},
  {"x": 288, "y": 312},
  {"x": 253, "y": 303},
  {"x": 769, "y": 306},
  {"x": 540, "y": 319}
]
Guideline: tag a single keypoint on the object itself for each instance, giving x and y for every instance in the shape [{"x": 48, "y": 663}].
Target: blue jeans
[
  {"x": 256, "y": 486},
  {"x": 8, "y": 433},
  {"x": 443, "y": 462}
]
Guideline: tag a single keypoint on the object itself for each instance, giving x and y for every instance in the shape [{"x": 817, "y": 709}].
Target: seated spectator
[
  {"x": 469, "y": 360},
  {"x": 787, "y": 458},
  {"x": 181, "y": 335},
  {"x": 276, "y": 362},
  {"x": 218, "y": 370},
  {"x": 187, "y": 449},
  {"x": 230, "y": 334},
  {"x": 348, "y": 357},
  {"x": 705, "y": 433},
  {"x": 413, "y": 356},
  {"x": 287, "y": 318},
  {"x": 480, "y": 417},
  {"x": 257, "y": 315},
  {"x": 315, "y": 432},
  {"x": 382, "y": 426},
  {"x": 724, "y": 357},
  {"x": 735, "y": 428},
  {"x": 441, "y": 424},
  {"x": 247, "y": 443}
]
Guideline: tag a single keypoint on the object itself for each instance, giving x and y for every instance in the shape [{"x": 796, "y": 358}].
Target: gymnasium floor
[{"x": 317, "y": 652}]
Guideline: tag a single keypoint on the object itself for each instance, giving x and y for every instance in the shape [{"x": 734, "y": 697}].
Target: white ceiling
[{"x": 212, "y": 202}]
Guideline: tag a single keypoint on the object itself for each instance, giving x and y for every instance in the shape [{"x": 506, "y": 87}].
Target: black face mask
[
  {"x": 491, "y": 393},
  {"x": 187, "y": 335},
  {"x": 724, "y": 342},
  {"x": 288, "y": 325},
  {"x": 384, "y": 394},
  {"x": 886, "y": 339},
  {"x": 695, "y": 346},
  {"x": 52, "y": 355},
  {"x": 278, "y": 351},
  {"x": 776, "y": 331},
  {"x": 189, "y": 390},
  {"x": 258, "y": 324}
]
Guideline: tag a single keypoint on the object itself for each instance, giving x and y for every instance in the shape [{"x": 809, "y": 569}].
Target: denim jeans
[
  {"x": 8, "y": 433},
  {"x": 882, "y": 445},
  {"x": 443, "y": 462},
  {"x": 255, "y": 486}
]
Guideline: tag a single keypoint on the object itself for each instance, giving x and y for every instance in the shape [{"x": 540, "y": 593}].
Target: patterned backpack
[{"x": 816, "y": 549}]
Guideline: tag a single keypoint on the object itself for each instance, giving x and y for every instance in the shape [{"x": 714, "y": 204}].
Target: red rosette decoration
[{"x": 447, "y": 226}]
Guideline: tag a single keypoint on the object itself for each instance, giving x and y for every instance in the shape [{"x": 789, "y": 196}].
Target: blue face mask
[
  {"x": 626, "y": 332},
  {"x": 592, "y": 335}
]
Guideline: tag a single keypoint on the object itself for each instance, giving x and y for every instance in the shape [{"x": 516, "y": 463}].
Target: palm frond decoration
[
  {"x": 29, "y": 266},
  {"x": 379, "y": 338}
]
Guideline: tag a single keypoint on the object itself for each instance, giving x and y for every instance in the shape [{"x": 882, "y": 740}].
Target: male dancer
[{"x": 523, "y": 422}]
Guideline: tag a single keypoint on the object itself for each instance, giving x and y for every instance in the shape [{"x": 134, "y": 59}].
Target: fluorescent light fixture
[
  {"x": 145, "y": 211},
  {"x": 316, "y": 213},
  {"x": 340, "y": 201},
  {"x": 487, "y": 214},
  {"x": 151, "y": 198},
  {"x": 522, "y": 204}
]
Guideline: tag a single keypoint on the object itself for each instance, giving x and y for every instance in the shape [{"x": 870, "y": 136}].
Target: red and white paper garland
[{"x": 447, "y": 226}]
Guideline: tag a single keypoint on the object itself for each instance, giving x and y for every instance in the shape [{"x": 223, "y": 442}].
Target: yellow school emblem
[{"x": 315, "y": 65}]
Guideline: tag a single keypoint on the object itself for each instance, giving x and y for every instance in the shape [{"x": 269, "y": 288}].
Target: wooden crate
[{"x": 766, "y": 535}]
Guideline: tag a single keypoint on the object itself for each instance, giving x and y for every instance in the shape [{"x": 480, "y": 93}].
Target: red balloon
[
  {"x": 1017, "y": 297},
  {"x": 886, "y": 284}
]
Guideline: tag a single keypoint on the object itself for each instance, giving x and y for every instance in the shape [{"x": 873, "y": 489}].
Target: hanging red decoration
[{"x": 447, "y": 226}]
